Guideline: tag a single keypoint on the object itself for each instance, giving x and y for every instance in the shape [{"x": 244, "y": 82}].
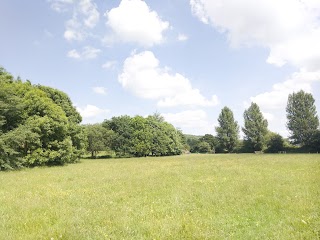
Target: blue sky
[{"x": 183, "y": 59}]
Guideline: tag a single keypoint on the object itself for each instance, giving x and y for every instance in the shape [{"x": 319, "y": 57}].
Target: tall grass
[{"x": 184, "y": 197}]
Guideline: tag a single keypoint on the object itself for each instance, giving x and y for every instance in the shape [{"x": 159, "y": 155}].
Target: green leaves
[
  {"x": 140, "y": 136},
  {"x": 227, "y": 131},
  {"x": 302, "y": 117},
  {"x": 255, "y": 128},
  {"x": 37, "y": 128}
]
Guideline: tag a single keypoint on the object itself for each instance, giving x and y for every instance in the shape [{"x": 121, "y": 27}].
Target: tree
[
  {"x": 140, "y": 136},
  {"x": 275, "y": 143},
  {"x": 255, "y": 127},
  {"x": 121, "y": 140},
  {"x": 227, "y": 131},
  {"x": 302, "y": 119},
  {"x": 211, "y": 140},
  {"x": 34, "y": 128},
  {"x": 203, "y": 147},
  {"x": 99, "y": 138},
  {"x": 315, "y": 142}
]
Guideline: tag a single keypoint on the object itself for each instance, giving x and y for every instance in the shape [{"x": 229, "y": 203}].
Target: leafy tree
[
  {"x": 227, "y": 131},
  {"x": 140, "y": 136},
  {"x": 121, "y": 139},
  {"x": 255, "y": 127},
  {"x": 34, "y": 129},
  {"x": 193, "y": 142},
  {"x": 275, "y": 143},
  {"x": 203, "y": 147},
  {"x": 211, "y": 140},
  {"x": 62, "y": 99},
  {"x": 302, "y": 117},
  {"x": 314, "y": 144},
  {"x": 99, "y": 138}
]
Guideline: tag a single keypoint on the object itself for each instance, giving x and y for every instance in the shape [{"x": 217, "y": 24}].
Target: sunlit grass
[{"x": 185, "y": 197}]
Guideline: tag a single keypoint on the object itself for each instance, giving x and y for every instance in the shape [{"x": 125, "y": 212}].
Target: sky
[{"x": 184, "y": 59}]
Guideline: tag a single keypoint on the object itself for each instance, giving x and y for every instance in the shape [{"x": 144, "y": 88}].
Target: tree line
[
  {"x": 40, "y": 126},
  {"x": 302, "y": 123}
]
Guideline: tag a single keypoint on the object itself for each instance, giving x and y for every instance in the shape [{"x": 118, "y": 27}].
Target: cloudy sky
[{"x": 184, "y": 59}]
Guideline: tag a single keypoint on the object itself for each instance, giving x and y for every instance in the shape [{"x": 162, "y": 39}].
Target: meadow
[{"x": 231, "y": 196}]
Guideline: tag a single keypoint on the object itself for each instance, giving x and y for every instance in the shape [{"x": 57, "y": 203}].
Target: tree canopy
[
  {"x": 34, "y": 128},
  {"x": 255, "y": 128},
  {"x": 227, "y": 131},
  {"x": 138, "y": 136},
  {"x": 302, "y": 117}
]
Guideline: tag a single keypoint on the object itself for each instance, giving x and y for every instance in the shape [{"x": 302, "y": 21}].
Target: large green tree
[
  {"x": 255, "y": 128},
  {"x": 139, "y": 136},
  {"x": 227, "y": 131},
  {"x": 302, "y": 117},
  {"x": 34, "y": 129}
]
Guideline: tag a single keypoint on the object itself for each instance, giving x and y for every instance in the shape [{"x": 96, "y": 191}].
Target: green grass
[{"x": 185, "y": 197}]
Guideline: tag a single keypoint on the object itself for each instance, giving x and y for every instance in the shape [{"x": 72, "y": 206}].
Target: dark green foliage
[
  {"x": 192, "y": 141},
  {"x": 62, "y": 99},
  {"x": 140, "y": 136},
  {"x": 302, "y": 117},
  {"x": 211, "y": 140},
  {"x": 227, "y": 131},
  {"x": 34, "y": 129},
  {"x": 275, "y": 143},
  {"x": 99, "y": 138},
  {"x": 314, "y": 143},
  {"x": 203, "y": 147},
  {"x": 255, "y": 128}
]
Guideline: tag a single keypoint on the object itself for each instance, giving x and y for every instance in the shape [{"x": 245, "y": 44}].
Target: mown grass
[{"x": 184, "y": 197}]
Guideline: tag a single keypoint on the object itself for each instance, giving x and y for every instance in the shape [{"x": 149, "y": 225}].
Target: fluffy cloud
[
  {"x": 143, "y": 76},
  {"x": 289, "y": 29},
  {"x": 87, "y": 53},
  {"x": 191, "y": 121},
  {"x": 277, "y": 98},
  {"x": 84, "y": 16},
  {"x": 100, "y": 90},
  {"x": 92, "y": 114},
  {"x": 90, "y": 13},
  {"x": 134, "y": 21}
]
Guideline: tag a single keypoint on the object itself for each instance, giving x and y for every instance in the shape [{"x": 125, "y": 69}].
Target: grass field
[{"x": 185, "y": 197}]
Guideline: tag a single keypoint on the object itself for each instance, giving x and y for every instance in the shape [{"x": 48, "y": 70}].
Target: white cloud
[
  {"x": 74, "y": 54},
  {"x": 182, "y": 37},
  {"x": 90, "y": 13},
  {"x": 277, "y": 98},
  {"x": 91, "y": 111},
  {"x": 74, "y": 31},
  {"x": 87, "y": 53},
  {"x": 191, "y": 121},
  {"x": 289, "y": 29},
  {"x": 100, "y": 90},
  {"x": 143, "y": 76},
  {"x": 268, "y": 116},
  {"x": 60, "y": 5},
  {"x": 134, "y": 21},
  {"x": 109, "y": 64},
  {"x": 85, "y": 16}
]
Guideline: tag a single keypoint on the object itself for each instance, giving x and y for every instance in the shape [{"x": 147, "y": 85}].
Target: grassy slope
[{"x": 184, "y": 197}]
